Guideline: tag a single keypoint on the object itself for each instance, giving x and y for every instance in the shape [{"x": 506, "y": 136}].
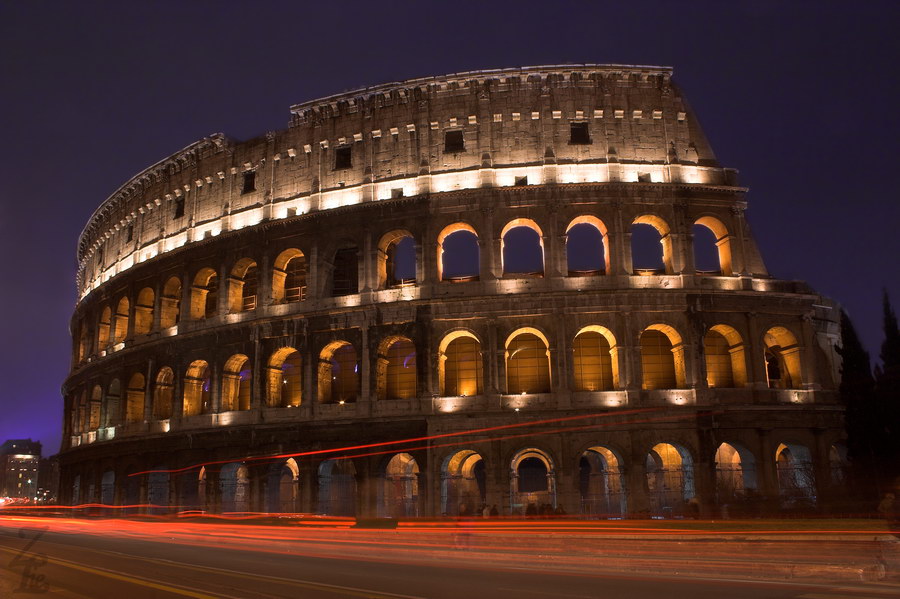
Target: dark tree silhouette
[{"x": 887, "y": 393}]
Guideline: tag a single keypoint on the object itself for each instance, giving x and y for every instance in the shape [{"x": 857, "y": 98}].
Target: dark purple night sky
[{"x": 801, "y": 97}]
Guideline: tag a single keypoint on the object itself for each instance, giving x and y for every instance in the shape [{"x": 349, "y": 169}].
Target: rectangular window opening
[
  {"x": 343, "y": 158},
  {"x": 249, "y": 182},
  {"x": 454, "y": 141},
  {"x": 579, "y": 134},
  {"x": 130, "y": 235},
  {"x": 521, "y": 181},
  {"x": 179, "y": 207},
  {"x": 397, "y": 192}
]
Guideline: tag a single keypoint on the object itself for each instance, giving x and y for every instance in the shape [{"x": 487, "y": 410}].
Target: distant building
[
  {"x": 48, "y": 480},
  {"x": 19, "y": 465}
]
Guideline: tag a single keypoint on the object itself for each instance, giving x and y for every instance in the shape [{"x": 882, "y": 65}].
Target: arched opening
[
  {"x": 463, "y": 488},
  {"x": 108, "y": 488},
  {"x": 103, "y": 326},
  {"x": 723, "y": 350},
  {"x": 163, "y": 394},
  {"x": 587, "y": 247},
  {"x": 120, "y": 328},
  {"x": 796, "y": 477},
  {"x": 662, "y": 358},
  {"x": 337, "y": 488},
  {"x": 460, "y": 367},
  {"x": 838, "y": 464},
  {"x": 670, "y": 481},
  {"x": 284, "y": 388},
  {"x": 338, "y": 380},
  {"x": 399, "y": 489},
  {"x": 242, "y": 286},
  {"x": 522, "y": 248},
  {"x": 345, "y": 272},
  {"x": 396, "y": 374},
  {"x": 158, "y": 490},
  {"x": 234, "y": 488},
  {"x": 782, "y": 359},
  {"x": 197, "y": 383},
  {"x": 595, "y": 360},
  {"x": 113, "y": 403},
  {"x": 205, "y": 294},
  {"x": 84, "y": 343},
  {"x": 532, "y": 483},
  {"x": 527, "y": 362},
  {"x": 712, "y": 247},
  {"x": 143, "y": 311},
  {"x": 282, "y": 488},
  {"x": 458, "y": 254},
  {"x": 92, "y": 415},
  {"x": 396, "y": 260},
  {"x": 76, "y": 490},
  {"x": 236, "y": 378},
  {"x": 289, "y": 277},
  {"x": 170, "y": 303},
  {"x": 651, "y": 246},
  {"x": 735, "y": 475},
  {"x": 600, "y": 484},
  {"x": 201, "y": 489},
  {"x": 134, "y": 404}
]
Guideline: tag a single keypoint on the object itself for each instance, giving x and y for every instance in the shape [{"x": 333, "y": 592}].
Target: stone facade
[{"x": 226, "y": 292}]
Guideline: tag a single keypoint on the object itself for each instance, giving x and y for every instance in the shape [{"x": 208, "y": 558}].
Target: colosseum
[{"x": 530, "y": 288}]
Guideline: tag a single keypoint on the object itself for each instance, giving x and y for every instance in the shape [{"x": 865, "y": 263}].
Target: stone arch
[
  {"x": 595, "y": 360},
  {"x": 601, "y": 484},
  {"x": 662, "y": 358},
  {"x": 665, "y": 263},
  {"x": 726, "y": 363},
  {"x": 460, "y": 364},
  {"x": 838, "y": 464},
  {"x": 337, "y": 487},
  {"x": 289, "y": 277},
  {"x": 242, "y": 286},
  {"x": 532, "y": 481},
  {"x": 120, "y": 324},
  {"x": 135, "y": 398},
  {"x": 463, "y": 253},
  {"x": 284, "y": 387},
  {"x": 796, "y": 476},
  {"x": 170, "y": 303},
  {"x": 523, "y": 238},
  {"x": 143, "y": 311},
  {"x": 587, "y": 232},
  {"x": 282, "y": 488},
  {"x": 92, "y": 414},
  {"x": 398, "y": 492},
  {"x": 84, "y": 343},
  {"x": 395, "y": 369},
  {"x": 236, "y": 383},
  {"x": 527, "y": 361},
  {"x": 234, "y": 488},
  {"x": 163, "y": 394},
  {"x": 158, "y": 489},
  {"x": 735, "y": 473},
  {"x": 782, "y": 359},
  {"x": 113, "y": 403},
  {"x": 103, "y": 326},
  {"x": 670, "y": 480},
  {"x": 197, "y": 388},
  {"x": 205, "y": 294},
  {"x": 721, "y": 241},
  {"x": 463, "y": 484},
  {"x": 108, "y": 488},
  {"x": 396, "y": 261},
  {"x": 338, "y": 373}
]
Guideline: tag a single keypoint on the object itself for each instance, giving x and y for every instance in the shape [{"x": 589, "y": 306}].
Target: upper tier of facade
[{"x": 602, "y": 124}]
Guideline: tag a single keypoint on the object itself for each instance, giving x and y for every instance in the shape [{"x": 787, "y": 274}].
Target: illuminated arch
[
  {"x": 399, "y": 488},
  {"x": 665, "y": 240},
  {"x": 726, "y": 364},
  {"x": 527, "y": 361},
  {"x": 103, "y": 326},
  {"x": 92, "y": 415},
  {"x": 670, "y": 480},
  {"x": 197, "y": 391},
  {"x": 205, "y": 294},
  {"x": 84, "y": 343},
  {"x": 601, "y": 483},
  {"x": 735, "y": 473},
  {"x": 722, "y": 242},
  {"x": 463, "y": 483},
  {"x": 284, "y": 377},
  {"x": 170, "y": 303},
  {"x": 113, "y": 402},
  {"x": 120, "y": 320},
  {"x": 289, "y": 277},
  {"x": 242, "y": 286},
  {"x": 517, "y": 223},
  {"x": 395, "y": 369},
  {"x": 386, "y": 264},
  {"x": 460, "y": 366},
  {"x": 662, "y": 358},
  {"x": 143, "y": 311},
  {"x": 796, "y": 476},
  {"x": 282, "y": 489},
  {"x": 588, "y": 220},
  {"x": 532, "y": 480},
  {"x": 135, "y": 398},
  {"x": 782, "y": 359},
  {"x": 163, "y": 394},
  {"x": 236, "y": 383},
  {"x": 338, "y": 373},
  {"x": 234, "y": 487},
  {"x": 595, "y": 359},
  {"x": 472, "y": 272}
]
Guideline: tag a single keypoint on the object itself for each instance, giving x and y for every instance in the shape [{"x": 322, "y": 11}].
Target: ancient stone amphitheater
[{"x": 529, "y": 288}]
